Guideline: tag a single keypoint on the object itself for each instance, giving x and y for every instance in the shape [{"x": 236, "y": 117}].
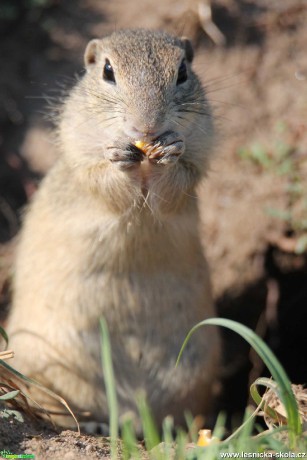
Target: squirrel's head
[{"x": 144, "y": 80}]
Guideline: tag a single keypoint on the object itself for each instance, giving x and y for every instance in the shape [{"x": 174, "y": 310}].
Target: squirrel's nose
[{"x": 143, "y": 133}]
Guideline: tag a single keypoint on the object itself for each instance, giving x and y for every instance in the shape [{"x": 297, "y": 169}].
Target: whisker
[
  {"x": 223, "y": 78},
  {"x": 146, "y": 203},
  {"x": 209, "y": 90},
  {"x": 191, "y": 196}
]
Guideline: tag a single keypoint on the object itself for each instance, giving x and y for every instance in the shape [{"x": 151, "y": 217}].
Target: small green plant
[
  {"x": 10, "y": 375},
  {"x": 284, "y": 439},
  {"x": 277, "y": 158},
  {"x": 110, "y": 385},
  {"x": 281, "y": 158},
  {"x": 283, "y": 385}
]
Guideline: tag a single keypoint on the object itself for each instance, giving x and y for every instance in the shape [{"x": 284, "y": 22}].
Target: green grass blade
[
  {"x": 245, "y": 441},
  {"x": 219, "y": 429},
  {"x": 9, "y": 395},
  {"x": 5, "y": 336},
  {"x": 33, "y": 382},
  {"x": 285, "y": 392},
  {"x": 268, "y": 383},
  {"x": 130, "y": 444},
  {"x": 109, "y": 379},
  {"x": 247, "y": 421},
  {"x": 167, "y": 430},
  {"x": 151, "y": 435}
]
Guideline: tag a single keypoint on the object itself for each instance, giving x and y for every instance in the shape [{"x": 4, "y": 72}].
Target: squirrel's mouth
[{"x": 144, "y": 135}]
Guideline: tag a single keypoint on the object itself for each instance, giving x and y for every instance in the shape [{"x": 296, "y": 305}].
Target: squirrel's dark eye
[
  {"x": 108, "y": 72},
  {"x": 182, "y": 73}
]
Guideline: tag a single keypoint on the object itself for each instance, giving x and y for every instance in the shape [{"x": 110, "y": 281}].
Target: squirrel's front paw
[
  {"x": 166, "y": 149},
  {"x": 124, "y": 155}
]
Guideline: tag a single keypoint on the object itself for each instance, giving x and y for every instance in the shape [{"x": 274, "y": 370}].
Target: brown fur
[{"x": 105, "y": 239}]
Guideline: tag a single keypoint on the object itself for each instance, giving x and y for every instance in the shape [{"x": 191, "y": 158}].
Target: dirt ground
[{"x": 254, "y": 202}]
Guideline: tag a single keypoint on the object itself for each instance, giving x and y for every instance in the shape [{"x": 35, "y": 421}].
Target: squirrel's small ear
[
  {"x": 189, "y": 53},
  {"x": 91, "y": 52}
]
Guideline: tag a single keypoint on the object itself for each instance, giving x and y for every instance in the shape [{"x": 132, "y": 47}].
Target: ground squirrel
[{"x": 113, "y": 232}]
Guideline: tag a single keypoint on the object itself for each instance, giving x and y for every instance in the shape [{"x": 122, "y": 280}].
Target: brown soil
[{"x": 257, "y": 83}]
